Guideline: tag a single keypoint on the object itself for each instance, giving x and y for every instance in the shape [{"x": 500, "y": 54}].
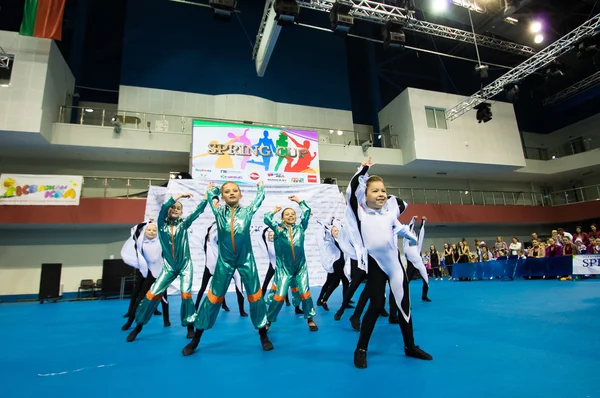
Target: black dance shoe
[
  {"x": 298, "y": 311},
  {"x": 355, "y": 322},
  {"x": 427, "y": 299},
  {"x": 191, "y": 347},
  {"x": 360, "y": 358},
  {"x": 134, "y": 333},
  {"x": 416, "y": 352},
  {"x": 126, "y": 326},
  {"x": 190, "y": 332}
]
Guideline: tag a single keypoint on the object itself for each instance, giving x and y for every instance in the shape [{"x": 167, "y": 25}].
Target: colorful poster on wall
[
  {"x": 248, "y": 153},
  {"x": 42, "y": 190}
]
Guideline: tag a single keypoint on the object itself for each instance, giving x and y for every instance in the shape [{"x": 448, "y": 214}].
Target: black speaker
[
  {"x": 112, "y": 272},
  {"x": 50, "y": 282}
]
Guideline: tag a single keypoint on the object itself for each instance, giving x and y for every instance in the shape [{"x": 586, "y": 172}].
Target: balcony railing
[
  {"x": 561, "y": 151},
  {"x": 165, "y": 123},
  {"x": 122, "y": 187}
]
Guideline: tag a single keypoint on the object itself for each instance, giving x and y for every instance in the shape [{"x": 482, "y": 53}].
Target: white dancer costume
[
  {"x": 328, "y": 250},
  {"x": 375, "y": 234},
  {"x": 413, "y": 252}
]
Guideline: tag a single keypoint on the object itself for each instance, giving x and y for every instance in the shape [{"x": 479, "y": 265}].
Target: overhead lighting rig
[
  {"x": 393, "y": 35},
  {"x": 540, "y": 60},
  {"x": 341, "y": 20},
  {"x": 223, "y": 8},
  {"x": 4, "y": 59},
  {"x": 286, "y": 11}
]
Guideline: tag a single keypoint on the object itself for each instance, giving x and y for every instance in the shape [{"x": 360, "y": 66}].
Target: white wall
[
  {"x": 58, "y": 90},
  {"x": 588, "y": 129},
  {"x": 81, "y": 250},
  {"x": 21, "y": 103},
  {"x": 150, "y": 104},
  {"x": 40, "y": 82},
  {"x": 397, "y": 115},
  {"x": 497, "y": 142}
]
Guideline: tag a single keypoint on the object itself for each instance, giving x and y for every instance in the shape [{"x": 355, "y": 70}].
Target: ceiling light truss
[
  {"x": 4, "y": 59},
  {"x": 381, "y": 13},
  {"x": 261, "y": 28},
  {"x": 530, "y": 66},
  {"x": 578, "y": 87}
]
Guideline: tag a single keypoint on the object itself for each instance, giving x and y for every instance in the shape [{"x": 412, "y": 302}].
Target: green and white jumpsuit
[
  {"x": 235, "y": 253},
  {"x": 291, "y": 264},
  {"x": 173, "y": 235}
]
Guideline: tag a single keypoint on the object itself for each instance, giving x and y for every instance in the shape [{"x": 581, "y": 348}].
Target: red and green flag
[{"x": 43, "y": 18}]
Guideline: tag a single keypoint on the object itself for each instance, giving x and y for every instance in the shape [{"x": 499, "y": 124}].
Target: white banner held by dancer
[
  {"x": 586, "y": 264},
  {"x": 325, "y": 202},
  {"x": 41, "y": 190}
]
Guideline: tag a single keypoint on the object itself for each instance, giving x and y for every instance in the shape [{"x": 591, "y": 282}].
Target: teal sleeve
[
  {"x": 199, "y": 210},
  {"x": 305, "y": 214},
  {"x": 164, "y": 211},
  {"x": 260, "y": 197},
  {"x": 269, "y": 222},
  {"x": 211, "y": 195}
]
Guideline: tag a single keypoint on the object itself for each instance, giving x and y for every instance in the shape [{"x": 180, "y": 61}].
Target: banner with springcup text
[
  {"x": 248, "y": 153},
  {"x": 41, "y": 190}
]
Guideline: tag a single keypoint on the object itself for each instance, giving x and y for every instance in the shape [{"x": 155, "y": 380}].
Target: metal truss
[
  {"x": 381, "y": 13},
  {"x": 261, "y": 28},
  {"x": 582, "y": 85},
  {"x": 4, "y": 59},
  {"x": 538, "y": 61}
]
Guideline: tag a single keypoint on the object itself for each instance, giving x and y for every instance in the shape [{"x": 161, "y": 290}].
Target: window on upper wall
[{"x": 436, "y": 118}]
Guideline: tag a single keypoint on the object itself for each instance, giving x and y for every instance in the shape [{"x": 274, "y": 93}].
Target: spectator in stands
[
  {"x": 515, "y": 246},
  {"x": 484, "y": 253},
  {"x": 594, "y": 247},
  {"x": 464, "y": 254},
  {"x": 579, "y": 234},
  {"x": 567, "y": 249},
  {"x": 594, "y": 232},
  {"x": 580, "y": 248},
  {"x": 553, "y": 250},
  {"x": 448, "y": 258},
  {"x": 536, "y": 251},
  {"x": 534, "y": 236},
  {"x": 562, "y": 233},
  {"x": 556, "y": 237},
  {"x": 434, "y": 259},
  {"x": 521, "y": 255},
  {"x": 500, "y": 245},
  {"x": 455, "y": 254}
]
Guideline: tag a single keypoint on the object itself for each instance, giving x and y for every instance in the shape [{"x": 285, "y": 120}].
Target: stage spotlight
[
  {"x": 512, "y": 92},
  {"x": 341, "y": 20},
  {"x": 535, "y": 27},
  {"x": 538, "y": 39},
  {"x": 286, "y": 11},
  {"x": 393, "y": 35},
  {"x": 586, "y": 48},
  {"x": 482, "y": 71},
  {"x": 484, "y": 112},
  {"x": 223, "y": 8}
]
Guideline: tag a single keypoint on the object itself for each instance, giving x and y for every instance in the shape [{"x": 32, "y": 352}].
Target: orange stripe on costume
[
  {"x": 278, "y": 298},
  {"x": 214, "y": 299},
  {"x": 252, "y": 298},
  {"x": 295, "y": 290},
  {"x": 151, "y": 296},
  {"x": 186, "y": 296},
  {"x": 305, "y": 295}
]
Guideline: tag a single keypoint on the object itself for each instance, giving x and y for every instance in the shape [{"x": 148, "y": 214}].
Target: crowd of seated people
[{"x": 559, "y": 243}]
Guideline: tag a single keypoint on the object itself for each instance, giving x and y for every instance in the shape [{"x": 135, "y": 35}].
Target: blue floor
[{"x": 488, "y": 339}]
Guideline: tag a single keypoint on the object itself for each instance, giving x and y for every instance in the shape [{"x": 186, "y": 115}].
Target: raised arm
[
  {"x": 411, "y": 224},
  {"x": 195, "y": 214},
  {"x": 353, "y": 187},
  {"x": 260, "y": 197},
  {"x": 269, "y": 220},
  {"x": 164, "y": 211},
  {"x": 211, "y": 195},
  {"x": 404, "y": 231},
  {"x": 422, "y": 233}
]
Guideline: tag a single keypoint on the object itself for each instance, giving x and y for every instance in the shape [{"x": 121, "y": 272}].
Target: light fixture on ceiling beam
[
  {"x": 511, "y": 20},
  {"x": 472, "y": 5},
  {"x": 393, "y": 35},
  {"x": 341, "y": 20},
  {"x": 484, "y": 112},
  {"x": 286, "y": 11},
  {"x": 223, "y": 8}
]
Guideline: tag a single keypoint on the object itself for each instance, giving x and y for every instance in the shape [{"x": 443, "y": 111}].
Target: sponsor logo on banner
[
  {"x": 297, "y": 180},
  {"x": 26, "y": 189},
  {"x": 230, "y": 177},
  {"x": 202, "y": 175},
  {"x": 586, "y": 264},
  {"x": 220, "y": 148}
]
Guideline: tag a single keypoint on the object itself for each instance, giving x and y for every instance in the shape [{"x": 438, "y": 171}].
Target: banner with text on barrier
[
  {"x": 44, "y": 190},
  {"x": 248, "y": 153},
  {"x": 326, "y": 202},
  {"x": 586, "y": 264}
]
